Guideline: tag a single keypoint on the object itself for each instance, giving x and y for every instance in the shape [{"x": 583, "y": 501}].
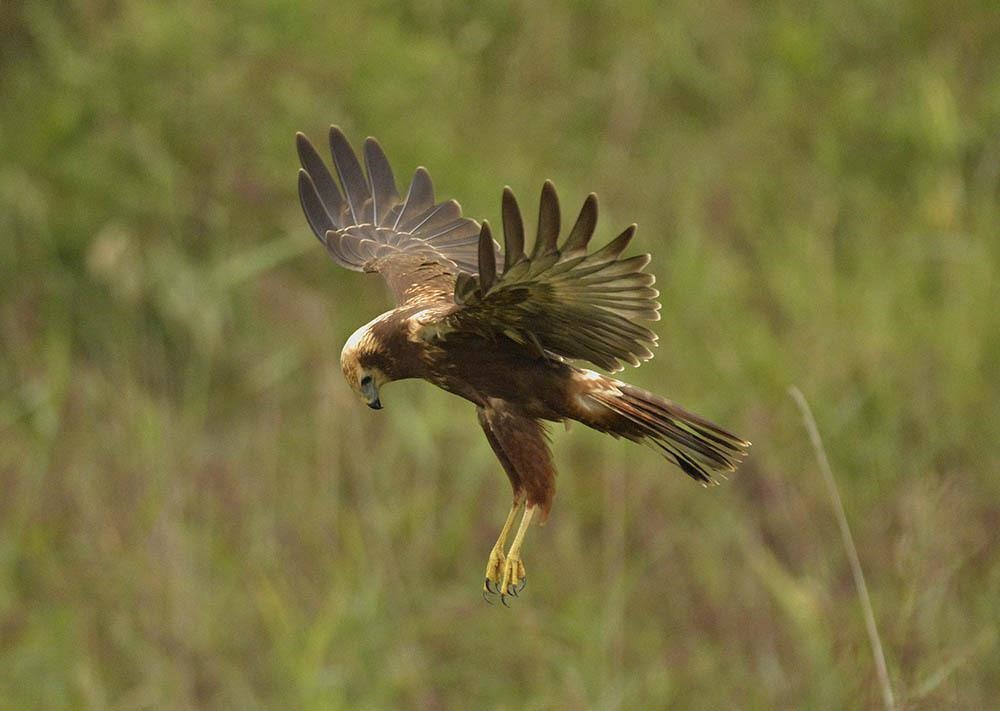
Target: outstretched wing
[
  {"x": 418, "y": 246},
  {"x": 560, "y": 299}
]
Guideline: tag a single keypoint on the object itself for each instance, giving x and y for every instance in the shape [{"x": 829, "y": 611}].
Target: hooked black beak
[{"x": 370, "y": 393}]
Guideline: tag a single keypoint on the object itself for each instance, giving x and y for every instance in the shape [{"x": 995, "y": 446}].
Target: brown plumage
[{"x": 500, "y": 329}]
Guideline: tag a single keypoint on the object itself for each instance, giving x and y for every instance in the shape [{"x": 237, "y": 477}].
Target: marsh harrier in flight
[{"x": 502, "y": 329}]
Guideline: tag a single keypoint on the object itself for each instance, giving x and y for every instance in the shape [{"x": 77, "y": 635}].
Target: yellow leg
[
  {"x": 513, "y": 569},
  {"x": 494, "y": 568}
]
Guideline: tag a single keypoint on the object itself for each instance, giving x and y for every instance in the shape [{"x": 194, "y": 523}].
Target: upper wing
[
  {"x": 417, "y": 245},
  {"x": 559, "y": 300}
]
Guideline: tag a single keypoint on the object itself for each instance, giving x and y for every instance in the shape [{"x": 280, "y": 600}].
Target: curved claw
[
  {"x": 485, "y": 598},
  {"x": 489, "y": 587},
  {"x": 513, "y": 591},
  {"x": 503, "y": 599},
  {"x": 524, "y": 581}
]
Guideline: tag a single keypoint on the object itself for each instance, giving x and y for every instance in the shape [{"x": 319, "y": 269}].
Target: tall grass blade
[{"x": 852, "y": 551}]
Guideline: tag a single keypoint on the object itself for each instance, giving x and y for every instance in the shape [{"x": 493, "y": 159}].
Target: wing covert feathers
[
  {"x": 366, "y": 226},
  {"x": 561, "y": 299}
]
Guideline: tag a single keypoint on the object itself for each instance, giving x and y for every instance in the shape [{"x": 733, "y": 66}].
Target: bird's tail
[{"x": 700, "y": 448}]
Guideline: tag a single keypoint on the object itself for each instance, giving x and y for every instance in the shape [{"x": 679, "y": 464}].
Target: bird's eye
[{"x": 366, "y": 381}]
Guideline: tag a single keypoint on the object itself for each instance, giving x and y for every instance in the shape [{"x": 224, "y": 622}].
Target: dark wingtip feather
[
  {"x": 326, "y": 188},
  {"x": 313, "y": 207},
  {"x": 548, "y": 222},
  {"x": 615, "y": 247},
  {"x": 513, "y": 230},
  {"x": 583, "y": 229},
  {"x": 419, "y": 197},
  {"x": 350, "y": 173},
  {"x": 424, "y": 177},
  {"x": 301, "y": 143},
  {"x": 487, "y": 258},
  {"x": 381, "y": 181}
]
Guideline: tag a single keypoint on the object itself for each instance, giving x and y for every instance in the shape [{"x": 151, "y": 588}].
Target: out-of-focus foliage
[{"x": 195, "y": 512}]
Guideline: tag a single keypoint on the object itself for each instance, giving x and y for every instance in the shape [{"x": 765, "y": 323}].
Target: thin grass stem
[{"x": 852, "y": 551}]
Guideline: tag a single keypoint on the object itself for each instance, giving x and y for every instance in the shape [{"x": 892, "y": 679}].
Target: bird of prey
[{"x": 502, "y": 329}]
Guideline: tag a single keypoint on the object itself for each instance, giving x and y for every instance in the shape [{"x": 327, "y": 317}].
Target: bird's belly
[{"x": 536, "y": 386}]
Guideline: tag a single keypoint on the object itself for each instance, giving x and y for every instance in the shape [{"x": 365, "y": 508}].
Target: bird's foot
[
  {"x": 494, "y": 571},
  {"x": 505, "y": 574},
  {"x": 513, "y": 579}
]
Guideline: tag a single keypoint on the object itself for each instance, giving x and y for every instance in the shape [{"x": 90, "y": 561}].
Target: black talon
[
  {"x": 513, "y": 591},
  {"x": 503, "y": 599},
  {"x": 488, "y": 587},
  {"x": 486, "y": 599}
]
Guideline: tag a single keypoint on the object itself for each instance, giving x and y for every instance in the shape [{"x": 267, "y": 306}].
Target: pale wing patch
[
  {"x": 428, "y": 324},
  {"x": 592, "y": 383}
]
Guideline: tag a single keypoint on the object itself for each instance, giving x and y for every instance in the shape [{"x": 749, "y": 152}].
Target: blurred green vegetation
[{"x": 195, "y": 512}]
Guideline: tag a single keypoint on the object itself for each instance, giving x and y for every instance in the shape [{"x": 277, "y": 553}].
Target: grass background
[{"x": 194, "y": 510}]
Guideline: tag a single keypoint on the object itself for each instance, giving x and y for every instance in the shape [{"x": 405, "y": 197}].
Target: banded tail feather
[{"x": 701, "y": 449}]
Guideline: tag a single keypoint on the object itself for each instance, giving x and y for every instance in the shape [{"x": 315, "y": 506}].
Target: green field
[{"x": 195, "y": 511}]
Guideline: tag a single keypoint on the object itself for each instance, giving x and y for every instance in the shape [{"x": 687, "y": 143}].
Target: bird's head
[{"x": 360, "y": 362}]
